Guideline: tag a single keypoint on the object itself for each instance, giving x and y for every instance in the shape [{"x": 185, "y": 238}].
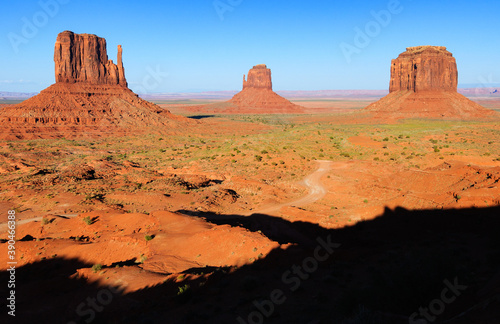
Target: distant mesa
[
  {"x": 424, "y": 68},
  {"x": 90, "y": 97},
  {"x": 424, "y": 84}
]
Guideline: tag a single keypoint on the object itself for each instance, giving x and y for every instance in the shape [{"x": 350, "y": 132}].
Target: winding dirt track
[
  {"x": 312, "y": 182},
  {"x": 3, "y": 226}
]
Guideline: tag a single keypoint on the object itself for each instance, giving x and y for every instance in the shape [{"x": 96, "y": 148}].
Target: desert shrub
[
  {"x": 97, "y": 267},
  {"x": 184, "y": 289},
  {"x": 87, "y": 220},
  {"x": 258, "y": 158},
  {"x": 149, "y": 237}
]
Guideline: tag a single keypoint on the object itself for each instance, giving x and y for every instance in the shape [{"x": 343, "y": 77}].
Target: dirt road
[
  {"x": 4, "y": 227},
  {"x": 312, "y": 182}
]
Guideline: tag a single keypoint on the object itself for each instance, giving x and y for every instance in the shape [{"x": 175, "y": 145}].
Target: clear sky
[{"x": 199, "y": 45}]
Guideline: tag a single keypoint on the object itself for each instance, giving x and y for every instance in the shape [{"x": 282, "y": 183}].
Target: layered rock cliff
[
  {"x": 259, "y": 77},
  {"x": 424, "y": 68},
  {"x": 84, "y": 58}
]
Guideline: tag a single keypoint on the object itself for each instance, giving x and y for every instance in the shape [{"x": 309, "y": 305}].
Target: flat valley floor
[{"x": 202, "y": 225}]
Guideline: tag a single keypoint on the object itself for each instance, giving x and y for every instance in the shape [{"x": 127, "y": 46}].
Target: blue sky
[{"x": 199, "y": 45}]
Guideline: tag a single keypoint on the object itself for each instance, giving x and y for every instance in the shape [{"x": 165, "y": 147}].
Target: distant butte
[
  {"x": 424, "y": 84},
  {"x": 258, "y": 96},
  {"x": 90, "y": 97},
  {"x": 424, "y": 68},
  {"x": 258, "y": 78}
]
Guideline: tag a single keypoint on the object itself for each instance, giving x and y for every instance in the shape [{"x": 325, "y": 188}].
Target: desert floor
[{"x": 205, "y": 224}]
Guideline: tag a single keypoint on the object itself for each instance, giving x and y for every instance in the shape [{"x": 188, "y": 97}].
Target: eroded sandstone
[{"x": 424, "y": 68}]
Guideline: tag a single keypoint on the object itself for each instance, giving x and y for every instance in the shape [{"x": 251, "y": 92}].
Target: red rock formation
[
  {"x": 90, "y": 97},
  {"x": 84, "y": 58},
  {"x": 424, "y": 68},
  {"x": 258, "y": 96},
  {"x": 121, "y": 69},
  {"x": 259, "y": 77},
  {"x": 424, "y": 84}
]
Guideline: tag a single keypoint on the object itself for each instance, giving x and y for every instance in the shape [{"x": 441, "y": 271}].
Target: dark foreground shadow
[{"x": 439, "y": 266}]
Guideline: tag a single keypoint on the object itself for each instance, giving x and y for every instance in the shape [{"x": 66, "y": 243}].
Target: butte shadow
[{"x": 384, "y": 270}]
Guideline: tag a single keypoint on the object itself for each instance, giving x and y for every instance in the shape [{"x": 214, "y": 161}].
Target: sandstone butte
[
  {"x": 424, "y": 84},
  {"x": 90, "y": 97},
  {"x": 257, "y": 97}
]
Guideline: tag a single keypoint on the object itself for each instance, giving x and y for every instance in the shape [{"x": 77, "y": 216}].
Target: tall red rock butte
[
  {"x": 90, "y": 97},
  {"x": 258, "y": 78},
  {"x": 257, "y": 97},
  {"x": 84, "y": 58},
  {"x": 424, "y": 84}
]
